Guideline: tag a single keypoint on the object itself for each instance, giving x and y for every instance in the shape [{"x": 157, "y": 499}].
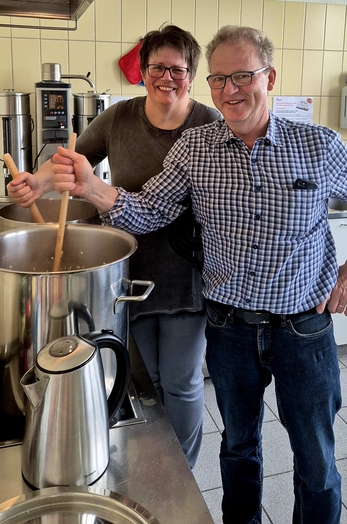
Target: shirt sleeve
[{"x": 161, "y": 198}]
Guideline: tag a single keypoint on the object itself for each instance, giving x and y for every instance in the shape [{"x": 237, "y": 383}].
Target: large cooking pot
[
  {"x": 37, "y": 305},
  {"x": 79, "y": 211}
]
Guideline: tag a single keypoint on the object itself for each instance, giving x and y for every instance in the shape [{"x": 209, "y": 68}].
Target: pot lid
[
  {"x": 64, "y": 354},
  {"x": 74, "y": 505}
]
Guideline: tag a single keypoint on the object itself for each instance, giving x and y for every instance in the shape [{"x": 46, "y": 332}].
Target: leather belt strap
[{"x": 260, "y": 317}]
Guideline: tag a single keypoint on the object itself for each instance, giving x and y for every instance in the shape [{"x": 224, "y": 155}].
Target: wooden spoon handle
[
  {"x": 34, "y": 210},
  {"x": 62, "y": 216}
]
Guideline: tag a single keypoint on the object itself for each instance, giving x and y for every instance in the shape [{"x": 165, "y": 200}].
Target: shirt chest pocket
[{"x": 297, "y": 210}]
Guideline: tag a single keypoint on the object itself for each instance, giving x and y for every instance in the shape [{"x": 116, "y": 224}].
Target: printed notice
[{"x": 297, "y": 108}]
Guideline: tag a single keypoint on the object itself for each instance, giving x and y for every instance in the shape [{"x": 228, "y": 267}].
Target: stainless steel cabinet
[{"x": 338, "y": 228}]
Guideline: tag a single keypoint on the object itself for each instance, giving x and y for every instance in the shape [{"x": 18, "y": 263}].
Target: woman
[{"x": 136, "y": 135}]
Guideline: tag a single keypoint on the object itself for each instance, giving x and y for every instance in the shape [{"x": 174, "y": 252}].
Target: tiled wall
[{"x": 310, "y": 41}]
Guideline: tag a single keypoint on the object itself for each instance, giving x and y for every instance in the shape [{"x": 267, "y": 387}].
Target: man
[{"x": 260, "y": 187}]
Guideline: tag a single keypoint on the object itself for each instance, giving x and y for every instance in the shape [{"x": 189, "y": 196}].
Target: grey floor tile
[
  {"x": 342, "y": 467},
  {"x": 270, "y": 398},
  {"x": 343, "y": 414},
  {"x": 209, "y": 425},
  {"x": 213, "y": 499},
  {"x": 206, "y": 470},
  {"x": 340, "y": 430},
  {"x": 278, "y": 456},
  {"x": 211, "y": 404},
  {"x": 278, "y": 498},
  {"x": 343, "y": 380},
  {"x": 343, "y": 359}
]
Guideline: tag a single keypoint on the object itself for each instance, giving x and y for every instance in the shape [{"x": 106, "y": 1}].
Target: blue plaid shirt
[{"x": 267, "y": 244}]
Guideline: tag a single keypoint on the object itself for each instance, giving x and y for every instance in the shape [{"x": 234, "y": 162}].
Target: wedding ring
[{"x": 340, "y": 305}]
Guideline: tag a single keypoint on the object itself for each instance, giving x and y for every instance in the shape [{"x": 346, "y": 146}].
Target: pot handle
[
  {"x": 131, "y": 298},
  {"x": 107, "y": 339}
]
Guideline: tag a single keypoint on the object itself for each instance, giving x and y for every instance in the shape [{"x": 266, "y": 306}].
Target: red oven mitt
[{"x": 130, "y": 64}]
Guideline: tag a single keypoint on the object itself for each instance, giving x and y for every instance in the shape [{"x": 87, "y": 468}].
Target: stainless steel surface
[
  {"x": 15, "y": 134},
  {"x": 81, "y": 77},
  {"x": 146, "y": 463},
  {"x": 89, "y": 105},
  {"x": 51, "y": 72},
  {"x": 89, "y": 505},
  {"x": 79, "y": 211},
  {"x": 67, "y": 414},
  {"x": 12, "y": 103},
  {"x": 37, "y": 305},
  {"x": 50, "y": 9},
  {"x": 86, "y": 106},
  {"x": 337, "y": 208}
]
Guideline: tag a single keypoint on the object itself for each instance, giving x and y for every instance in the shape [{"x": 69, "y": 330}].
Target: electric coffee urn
[
  {"x": 53, "y": 112},
  {"x": 87, "y": 106},
  {"x": 16, "y": 127}
]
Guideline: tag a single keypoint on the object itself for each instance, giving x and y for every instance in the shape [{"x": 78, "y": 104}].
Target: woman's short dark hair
[{"x": 175, "y": 37}]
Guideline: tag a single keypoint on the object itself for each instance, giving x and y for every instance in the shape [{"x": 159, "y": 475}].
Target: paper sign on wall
[{"x": 297, "y": 108}]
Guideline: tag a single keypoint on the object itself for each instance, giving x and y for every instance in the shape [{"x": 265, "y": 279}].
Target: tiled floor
[{"x": 278, "y": 492}]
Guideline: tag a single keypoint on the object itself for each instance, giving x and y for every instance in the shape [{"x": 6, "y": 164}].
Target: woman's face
[{"x": 165, "y": 90}]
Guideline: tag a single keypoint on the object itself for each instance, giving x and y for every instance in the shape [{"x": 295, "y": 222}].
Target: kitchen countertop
[{"x": 146, "y": 465}]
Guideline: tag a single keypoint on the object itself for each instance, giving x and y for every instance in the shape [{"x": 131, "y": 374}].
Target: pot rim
[{"x": 112, "y": 231}]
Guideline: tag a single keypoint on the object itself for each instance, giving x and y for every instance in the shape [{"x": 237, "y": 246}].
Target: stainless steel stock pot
[
  {"x": 90, "y": 292},
  {"x": 79, "y": 211}
]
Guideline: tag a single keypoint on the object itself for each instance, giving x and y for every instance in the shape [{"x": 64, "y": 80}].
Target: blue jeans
[
  {"x": 173, "y": 349},
  {"x": 302, "y": 358}
]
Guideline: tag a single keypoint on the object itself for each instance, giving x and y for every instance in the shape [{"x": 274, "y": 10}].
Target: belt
[
  {"x": 260, "y": 317},
  {"x": 257, "y": 317}
]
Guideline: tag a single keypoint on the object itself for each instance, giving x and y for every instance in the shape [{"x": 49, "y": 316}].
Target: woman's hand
[
  {"x": 25, "y": 189},
  {"x": 71, "y": 172}
]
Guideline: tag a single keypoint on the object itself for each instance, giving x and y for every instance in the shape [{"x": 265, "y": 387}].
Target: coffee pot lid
[{"x": 64, "y": 354}]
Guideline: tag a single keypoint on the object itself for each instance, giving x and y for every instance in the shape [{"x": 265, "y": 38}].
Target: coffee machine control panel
[{"x": 54, "y": 116}]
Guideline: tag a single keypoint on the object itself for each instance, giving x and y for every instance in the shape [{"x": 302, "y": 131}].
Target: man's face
[{"x": 245, "y": 109}]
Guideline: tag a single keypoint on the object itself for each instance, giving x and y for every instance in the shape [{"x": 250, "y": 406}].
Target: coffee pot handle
[{"x": 107, "y": 339}]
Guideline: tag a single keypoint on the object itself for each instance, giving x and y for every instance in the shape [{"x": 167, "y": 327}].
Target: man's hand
[{"x": 337, "y": 301}]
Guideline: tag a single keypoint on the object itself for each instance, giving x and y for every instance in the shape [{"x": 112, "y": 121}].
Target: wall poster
[{"x": 297, "y": 108}]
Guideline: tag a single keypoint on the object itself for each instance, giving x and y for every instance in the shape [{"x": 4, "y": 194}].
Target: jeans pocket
[
  {"x": 311, "y": 325},
  {"x": 216, "y": 318}
]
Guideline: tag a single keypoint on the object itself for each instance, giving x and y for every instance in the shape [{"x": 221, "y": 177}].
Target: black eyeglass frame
[
  {"x": 251, "y": 73},
  {"x": 187, "y": 70}
]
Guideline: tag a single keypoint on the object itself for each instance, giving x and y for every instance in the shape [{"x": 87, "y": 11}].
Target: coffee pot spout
[{"x": 34, "y": 387}]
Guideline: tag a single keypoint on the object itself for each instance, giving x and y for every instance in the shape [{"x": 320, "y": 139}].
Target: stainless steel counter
[{"x": 146, "y": 463}]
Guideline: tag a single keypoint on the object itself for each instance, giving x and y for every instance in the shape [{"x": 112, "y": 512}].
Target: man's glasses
[
  {"x": 239, "y": 79},
  {"x": 158, "y": 71}
]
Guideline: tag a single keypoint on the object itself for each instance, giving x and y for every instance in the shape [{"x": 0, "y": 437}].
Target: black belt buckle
[{"x": 257, "y": 317}]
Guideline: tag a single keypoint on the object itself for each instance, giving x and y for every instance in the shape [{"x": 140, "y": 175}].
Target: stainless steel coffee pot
[{"x": 67, "y": 415}]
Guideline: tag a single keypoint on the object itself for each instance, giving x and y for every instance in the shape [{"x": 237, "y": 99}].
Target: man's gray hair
[{"x": 236, "y": 34}]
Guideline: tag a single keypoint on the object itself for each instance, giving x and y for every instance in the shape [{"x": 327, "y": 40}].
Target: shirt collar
[{"x": 273, "y": 134}]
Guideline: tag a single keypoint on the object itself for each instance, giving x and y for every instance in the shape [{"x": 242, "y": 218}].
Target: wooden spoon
[
  {"x": 34, "y": 210},
  {"x": 62, "y": 216}
]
